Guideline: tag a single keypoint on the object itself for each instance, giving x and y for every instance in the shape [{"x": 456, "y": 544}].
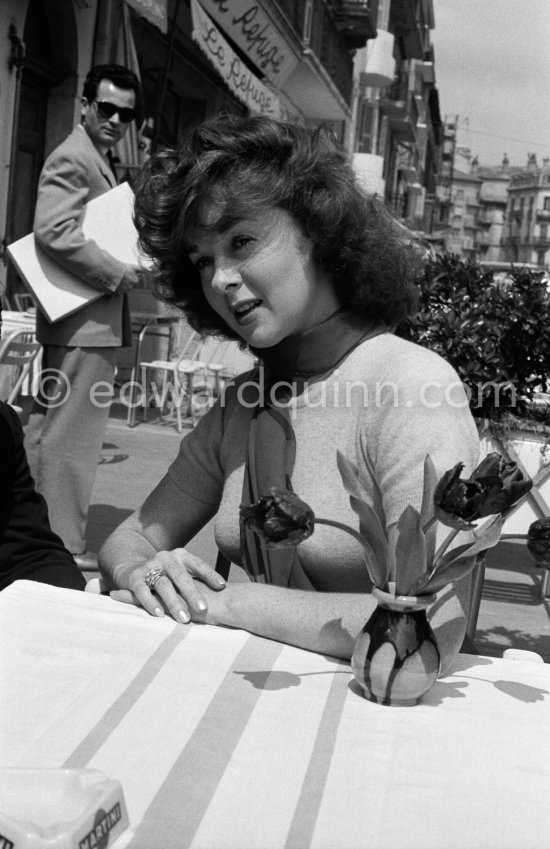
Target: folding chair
[
  {"x": 17, "y": 354},
  {"x": 192, "y": 381},
  {"x": 23, "y": 301}
]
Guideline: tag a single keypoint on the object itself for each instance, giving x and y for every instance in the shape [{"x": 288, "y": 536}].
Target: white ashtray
[{"x": 59, "y": 809}]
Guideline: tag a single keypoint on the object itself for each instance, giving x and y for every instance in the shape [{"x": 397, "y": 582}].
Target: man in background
[{"x": 67, "y": 424}]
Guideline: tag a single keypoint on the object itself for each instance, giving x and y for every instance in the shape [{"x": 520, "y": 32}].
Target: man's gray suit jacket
[{"x": 73, "y": 174}]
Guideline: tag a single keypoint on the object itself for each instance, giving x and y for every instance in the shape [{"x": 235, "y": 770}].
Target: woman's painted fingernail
[
  {"x": 220, "y": 581},
  {"x": 200, "y": 606},
  {"x": 159, "y": 612},
  {"x": 184, "y": 616}
]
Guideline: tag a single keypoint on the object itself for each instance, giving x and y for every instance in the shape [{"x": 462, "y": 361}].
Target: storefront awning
[
  {"x": 238, "y": 77},
  {"x": 253, "y": 31}
]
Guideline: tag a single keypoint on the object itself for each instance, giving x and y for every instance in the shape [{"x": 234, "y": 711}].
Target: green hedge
[{"x": 496, "y": 335}]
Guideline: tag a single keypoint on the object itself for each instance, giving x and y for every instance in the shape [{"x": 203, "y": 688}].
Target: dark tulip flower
[
  {"x": 494, "y": 487},
  {"x": 538, "y": 541},
  {"x": 458, "y": 502},
  {"x": 280, "y": 518},
  {"x": 503, "y": 481}
]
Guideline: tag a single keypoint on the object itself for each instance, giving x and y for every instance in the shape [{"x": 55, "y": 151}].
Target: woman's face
[{"x": 259, "y": 275}]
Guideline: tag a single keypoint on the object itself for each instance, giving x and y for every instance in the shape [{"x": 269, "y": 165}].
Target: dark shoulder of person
[{"x": 29, "y": 549}]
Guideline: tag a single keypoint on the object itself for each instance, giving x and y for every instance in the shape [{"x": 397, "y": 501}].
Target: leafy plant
[{"x": 496, "y": 335}]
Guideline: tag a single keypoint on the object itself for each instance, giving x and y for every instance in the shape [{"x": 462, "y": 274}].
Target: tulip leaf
[
  {"x": 430, "y": 536},
  {"x": 486, "y": 537},
  {"x": 427, "y": 510},
  {"x": 430, "y": 483},
  {"x": 453, "y": 571},
  {"x": 374, "y": 537},
  {"x": 349, "y": 474},
  {"x": 372, "y": 532},
  {"x": 410, "y": 551}
]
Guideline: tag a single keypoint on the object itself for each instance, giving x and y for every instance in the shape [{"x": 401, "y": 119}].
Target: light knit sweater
[{"x": 386, "y": 406}]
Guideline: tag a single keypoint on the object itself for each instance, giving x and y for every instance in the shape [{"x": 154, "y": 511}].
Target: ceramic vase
[{"x": 395, "y": 658}]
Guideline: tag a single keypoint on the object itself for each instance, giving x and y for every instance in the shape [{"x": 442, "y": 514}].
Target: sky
[{"x": 492, "y": 70}]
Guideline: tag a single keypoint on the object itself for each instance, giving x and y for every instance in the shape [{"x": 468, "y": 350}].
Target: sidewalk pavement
[{"x": 133, "y": 460}]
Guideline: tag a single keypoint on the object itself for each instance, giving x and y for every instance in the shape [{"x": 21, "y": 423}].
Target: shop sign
[
  {"x": 237, "y": 76},
  {"x": 249, "y": 27},
  {"x": 155, "y": 11}
]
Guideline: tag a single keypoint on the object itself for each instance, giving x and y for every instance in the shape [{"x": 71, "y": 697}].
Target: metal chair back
[{"x": 17, "y": 353}]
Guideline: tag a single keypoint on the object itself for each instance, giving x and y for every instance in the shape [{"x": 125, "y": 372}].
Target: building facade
[
  {"x": 493, "y": 197},
  {"x": 463, "y": 212},
  {"x": 527, "y": 229},
  {"x": 498, "y": 213},
  {"x": 397, "y": 124}
]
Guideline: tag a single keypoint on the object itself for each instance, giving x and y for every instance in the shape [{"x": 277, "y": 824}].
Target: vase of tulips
[{"x": 395, "y": 658}]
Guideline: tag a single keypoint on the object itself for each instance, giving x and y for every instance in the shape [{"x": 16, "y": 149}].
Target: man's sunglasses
[{"x": 107, "y": 110}]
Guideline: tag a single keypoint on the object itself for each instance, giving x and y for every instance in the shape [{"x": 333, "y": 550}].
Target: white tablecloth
[{"x": 223, "y": 740}]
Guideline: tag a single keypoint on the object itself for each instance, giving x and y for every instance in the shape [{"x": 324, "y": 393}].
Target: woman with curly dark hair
[{"x": 260, "y": 232}]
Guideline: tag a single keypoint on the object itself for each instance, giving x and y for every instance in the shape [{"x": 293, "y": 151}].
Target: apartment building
[
  {"x": 465, "y": 207},
  {"x": 398, "y": 130},
  {"x": 527, "y": 230},
  {"x": 493, "y": 197},
  {"x": 493, "y": 213}
]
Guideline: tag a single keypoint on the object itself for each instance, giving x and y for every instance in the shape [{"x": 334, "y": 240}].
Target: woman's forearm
[
  {"x": 125, "y": 549},
  {"x": 327, "y": 623},
  {"x": 166, "y": 520}
]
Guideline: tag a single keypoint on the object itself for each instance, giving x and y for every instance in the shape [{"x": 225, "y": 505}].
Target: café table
[{"x": 225, "y": 740}]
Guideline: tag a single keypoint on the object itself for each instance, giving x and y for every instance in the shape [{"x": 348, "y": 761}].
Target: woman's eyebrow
[{"x": 222, "y": 226}]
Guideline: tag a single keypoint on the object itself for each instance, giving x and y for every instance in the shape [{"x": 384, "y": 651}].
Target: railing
[
  {"x": 354, "y": 7},
  {"x": 403, "y": 16},
  {"x": 402, "y": 115},
  {"x": 356, "y": 20},
  {"x": 398, "y": 90},
  {"x": 407, "y": 22}
]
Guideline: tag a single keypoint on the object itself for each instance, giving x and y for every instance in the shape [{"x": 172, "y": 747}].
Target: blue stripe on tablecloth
[
  {"x": 305, "y": 815},
  {"x": 175, "y": 813},
  {"x": 112, "y": 717}
]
